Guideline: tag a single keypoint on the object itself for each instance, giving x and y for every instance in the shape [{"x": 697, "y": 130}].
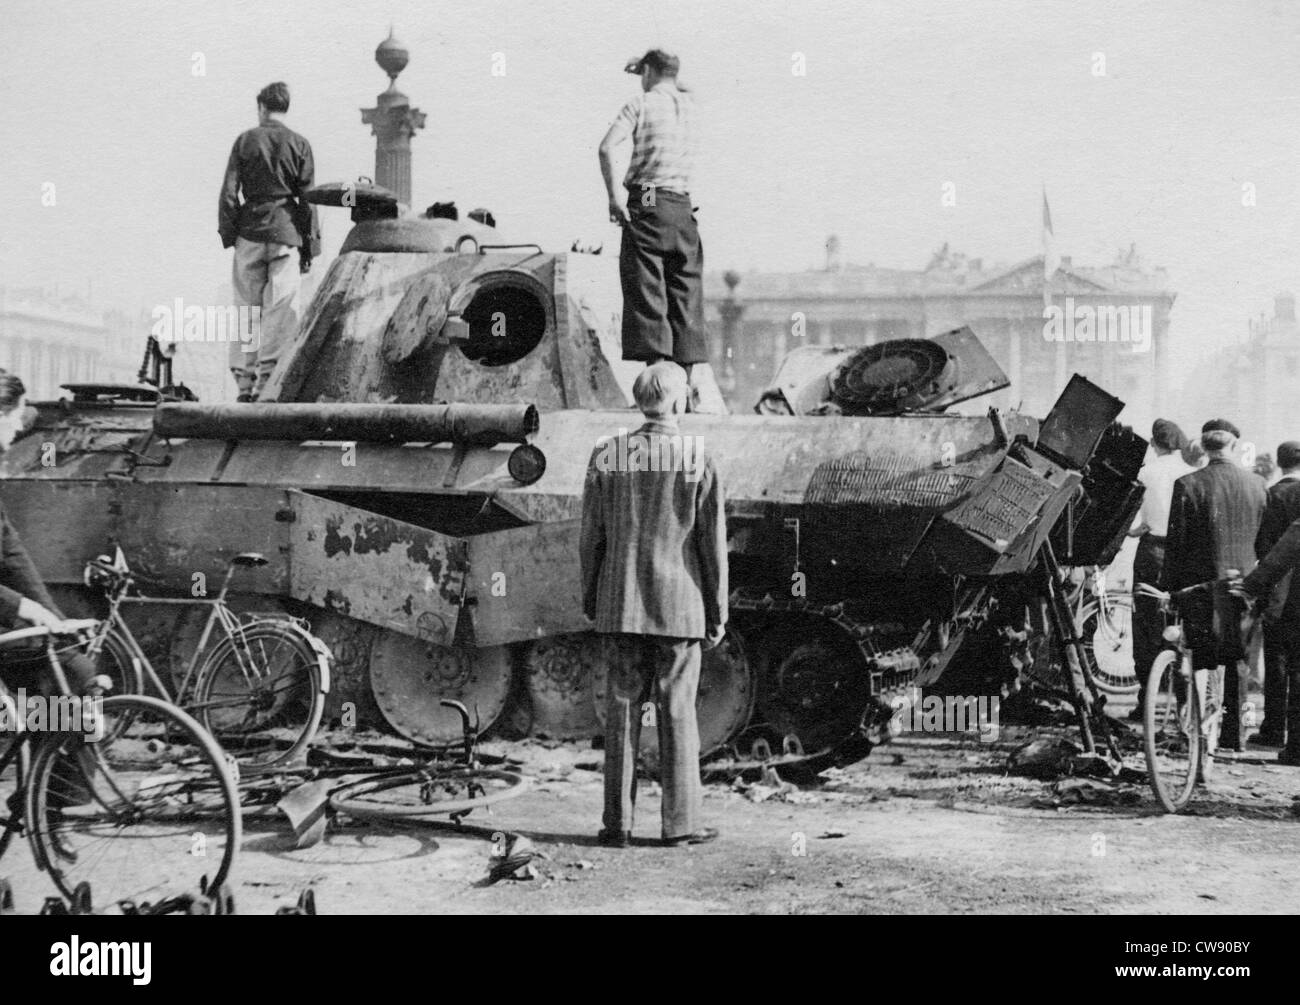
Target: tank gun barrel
[{"x": 480, "y": 425}]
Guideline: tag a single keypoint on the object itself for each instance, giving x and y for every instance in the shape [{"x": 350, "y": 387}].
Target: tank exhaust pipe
[{"x": 477, "y": 425}]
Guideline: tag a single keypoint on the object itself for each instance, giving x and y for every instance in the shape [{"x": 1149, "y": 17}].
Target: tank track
[{"x": 892, "y": 669}]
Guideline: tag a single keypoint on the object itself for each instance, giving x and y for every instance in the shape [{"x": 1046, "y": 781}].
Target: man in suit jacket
[
  {"x": 1282, "y": 510},
  {"x": 1213, "y": 521},
  {"x": 654, "y": 579}
]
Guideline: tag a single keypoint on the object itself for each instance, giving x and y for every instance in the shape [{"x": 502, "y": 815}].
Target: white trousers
[{"x": 265, "y": 276}]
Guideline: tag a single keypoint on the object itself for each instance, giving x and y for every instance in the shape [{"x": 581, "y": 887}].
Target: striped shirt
[
  {"x": 661, "y": 122},
  {"x": 653, "y": 547}
]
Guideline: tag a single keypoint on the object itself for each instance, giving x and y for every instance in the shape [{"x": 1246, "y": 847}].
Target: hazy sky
[{"x": 999, "y": 99}]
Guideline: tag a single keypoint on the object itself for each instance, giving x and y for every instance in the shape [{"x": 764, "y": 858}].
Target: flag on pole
[{"x": 1051, "y": 260}]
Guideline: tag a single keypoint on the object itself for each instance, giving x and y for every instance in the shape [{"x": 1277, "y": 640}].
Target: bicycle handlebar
[
  {"x": 1147, "y": 590},
  {"x": 68, "y": 627}
]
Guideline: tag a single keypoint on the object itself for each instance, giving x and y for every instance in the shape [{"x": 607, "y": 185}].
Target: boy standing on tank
[
  {"x": 271, "y": 166},
  {"x": 661, "y": 258}
]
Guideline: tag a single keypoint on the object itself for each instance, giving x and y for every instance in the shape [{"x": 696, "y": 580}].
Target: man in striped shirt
[
  {"x": 653, "y": 551},
  {"x": 661, "y": 259}
]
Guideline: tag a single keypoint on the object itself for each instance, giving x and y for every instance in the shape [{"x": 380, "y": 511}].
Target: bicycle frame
[
  {"x": 219, "y": 614},
  {"x": 1204, "y": 688},
  {"x": 1207, "y": 690}
]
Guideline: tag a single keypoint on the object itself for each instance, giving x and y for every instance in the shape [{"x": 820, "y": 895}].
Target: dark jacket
[
  {"x": 272, "y": 167},
  {"x": 18, "y": 576},
  {"x": 1283, "y": 509},
  {"x": 1213, "y": 522}
]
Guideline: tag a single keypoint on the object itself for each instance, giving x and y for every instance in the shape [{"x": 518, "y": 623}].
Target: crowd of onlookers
[{"x": 1210, "y": 514}]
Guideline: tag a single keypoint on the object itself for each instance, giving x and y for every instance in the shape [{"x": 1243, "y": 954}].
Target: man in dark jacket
[
  {"x": 1213, "y": 521},
  {"x": 271, "y": 166},
  {"x": 1282, "y": 510}
]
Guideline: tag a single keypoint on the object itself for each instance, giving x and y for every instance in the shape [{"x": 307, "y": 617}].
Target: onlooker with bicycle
[
  {"x": 1151, "y": 528},
  {"x": 1214, "y": 517},
  {"x": 23, "y": 596}
]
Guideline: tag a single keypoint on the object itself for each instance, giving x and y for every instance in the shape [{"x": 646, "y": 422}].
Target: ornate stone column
[{"x": 393, "y": 122}]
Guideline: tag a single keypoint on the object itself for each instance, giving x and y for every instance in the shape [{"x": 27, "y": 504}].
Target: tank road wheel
[
  {"x": 350, "y": 641},
  {"x": 814, "y": 683},
  {"x": 411, "y": 676},
  {"x": 559, "y": 679},
  {"x": 723, "y": 703}
]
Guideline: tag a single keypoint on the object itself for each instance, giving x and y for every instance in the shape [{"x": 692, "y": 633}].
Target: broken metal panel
[
  {"x": 999, "y": 527},
  {"x": 977, "y": 372},
  {"x": 526, "y": 582},
  {"x": 374, "y": 568}
]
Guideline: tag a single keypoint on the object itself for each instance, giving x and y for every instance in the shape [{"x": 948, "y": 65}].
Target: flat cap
[
  {"x": 1216, "y": 425},
  {"x": 663, "y": 62}
]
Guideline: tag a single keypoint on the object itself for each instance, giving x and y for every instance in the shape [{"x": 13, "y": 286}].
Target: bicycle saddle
[{"x": 251, "y": 559}]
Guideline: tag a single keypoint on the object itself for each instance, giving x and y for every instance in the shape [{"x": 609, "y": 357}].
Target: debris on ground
[
  {"x": 1046, "y": 757},
  {"x": 1087, "y": 791},
  {"x": 515, "y": 860}
]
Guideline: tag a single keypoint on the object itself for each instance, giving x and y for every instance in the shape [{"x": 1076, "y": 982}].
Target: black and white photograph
[{"x": 689, "y": 458}]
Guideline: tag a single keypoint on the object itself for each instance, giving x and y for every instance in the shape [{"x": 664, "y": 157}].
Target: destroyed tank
[{"x": 414, "y": 474}]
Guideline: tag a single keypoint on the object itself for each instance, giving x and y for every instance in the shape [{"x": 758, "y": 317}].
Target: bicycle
[
  {"x": 433, "y": 788},
  {"x": 260, "y": 689},
  {"x": 1183, "y": 711},
  {"x": 129, "y": 791},
  {"x": 1104, "y": 621}
]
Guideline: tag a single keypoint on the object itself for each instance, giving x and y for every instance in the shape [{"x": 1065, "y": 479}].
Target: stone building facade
[
  {"x": 50, "y": 340},
  {"x": 1253, "y": 382}
]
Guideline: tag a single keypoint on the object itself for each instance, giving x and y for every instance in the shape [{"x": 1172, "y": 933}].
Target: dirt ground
[{"x": 926, "y": 824}]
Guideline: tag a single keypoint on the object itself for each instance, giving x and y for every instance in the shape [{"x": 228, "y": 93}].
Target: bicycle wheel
[
  {"x": 142, "y": 814},
  {"x": 1172, "y": 717},
  {"x": 414, "y": 794},
  {"x": 1209, "y": 685},
  {"x": 260, "y": 693},
  {"x": 116, "y": 662},
  {"x": 1108, "y": 639},
  {"x": 11, "y": 785}
]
